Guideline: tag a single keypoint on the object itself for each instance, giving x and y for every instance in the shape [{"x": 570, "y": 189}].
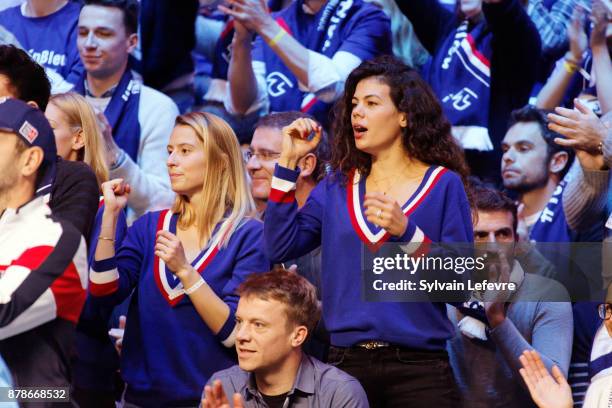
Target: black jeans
[{"x": 398, "y": 377}]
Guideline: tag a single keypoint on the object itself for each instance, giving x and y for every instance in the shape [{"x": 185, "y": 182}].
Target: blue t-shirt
[
  {"x": 51, "y": 41},
  {"x": 353, "y": 26}
]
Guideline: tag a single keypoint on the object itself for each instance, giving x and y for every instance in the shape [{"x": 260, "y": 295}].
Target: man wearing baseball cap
[
  {"x": 43, "y": 261},
  {"x": 28, "y": 135}
]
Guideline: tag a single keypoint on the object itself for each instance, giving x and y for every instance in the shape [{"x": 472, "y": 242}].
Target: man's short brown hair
[
  {"x": 297, "y": 294},
  {"x": 488, "y": 199}
]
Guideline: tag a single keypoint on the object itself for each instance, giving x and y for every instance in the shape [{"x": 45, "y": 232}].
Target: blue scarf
[
  {"x": 122, "y": 112},
  {"x": 601, "y": 354},
  {"x": 223, "y": 52},
  {"x": 552, "y": 225},
  {"x": 321, "y": 33},
  {"x": 459, "y": 73}
]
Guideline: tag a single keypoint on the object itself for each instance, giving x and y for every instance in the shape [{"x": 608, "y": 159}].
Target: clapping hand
[
  {"x": 251, "y": 14},
  {"x": 214, "y": 397},
  {"x": 546, "y": 391},
  {"x": 601, "y": 12},
  {"x": 495, "y": 301},
  {"x": 576, "y": 35},
  {"x": 583, "y": 131}
]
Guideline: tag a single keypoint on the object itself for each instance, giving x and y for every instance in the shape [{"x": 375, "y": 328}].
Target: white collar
[
  {"x": 602, "y": 345},
  {"x": 36, "y": 206}
]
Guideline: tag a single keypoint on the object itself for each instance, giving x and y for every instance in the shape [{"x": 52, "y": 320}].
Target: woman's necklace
[
  {"x": 396, "y": 176},
  {"x": 379, "y": 187}
]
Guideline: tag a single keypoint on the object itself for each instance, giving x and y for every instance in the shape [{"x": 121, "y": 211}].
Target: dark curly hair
[
  {"x": 426, "y": 138},
  {"x": 27, "y": 79}
]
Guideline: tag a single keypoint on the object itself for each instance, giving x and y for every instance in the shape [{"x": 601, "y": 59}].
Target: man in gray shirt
[
  {"x": 486, "y": 363},
  {"x": 276, "y": 312}
]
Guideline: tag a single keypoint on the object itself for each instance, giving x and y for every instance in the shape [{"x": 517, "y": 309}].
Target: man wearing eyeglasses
[
  {"x": 605, "y": 313},
  {"x": 261, "y": 158},
  {"x": 264, "y": 151},
  {"x": 601, "y": 353}
]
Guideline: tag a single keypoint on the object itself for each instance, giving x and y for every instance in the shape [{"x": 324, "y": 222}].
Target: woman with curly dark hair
[{"x": 392, "y": 145}]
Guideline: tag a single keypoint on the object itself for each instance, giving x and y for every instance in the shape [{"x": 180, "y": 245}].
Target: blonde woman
[
  {"x": 184, "y": 264},
  {"x": 77, "y": 134}
]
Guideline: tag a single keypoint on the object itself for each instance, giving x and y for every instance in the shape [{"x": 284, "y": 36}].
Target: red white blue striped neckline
[
  {"x": 173, "y": 292},
  {"x": 356, "y": 191}
]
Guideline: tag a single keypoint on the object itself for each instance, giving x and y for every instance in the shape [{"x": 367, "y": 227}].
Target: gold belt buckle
[{"x": 373, "y": 344}]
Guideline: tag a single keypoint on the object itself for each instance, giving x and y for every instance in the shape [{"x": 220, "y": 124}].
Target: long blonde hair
[
  {"x": 225, "y": 194},
  {"x": 80, "y": 115}
]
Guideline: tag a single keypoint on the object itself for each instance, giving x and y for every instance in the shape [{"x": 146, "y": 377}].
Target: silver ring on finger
[{"x": 379, "y": 213}]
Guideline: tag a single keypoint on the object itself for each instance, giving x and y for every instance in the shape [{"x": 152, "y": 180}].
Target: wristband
[
  {"x": 570, "y": 67},
  {"x": 195, "y": 286},
  {"x": 281, "y": 33}
]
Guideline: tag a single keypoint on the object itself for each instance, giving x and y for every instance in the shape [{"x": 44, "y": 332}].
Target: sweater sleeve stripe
[
  {"x": 100, "y": 278},
  {"x": 103, "y": 277},
  {"x": 104, "y": 289},
  {"x": 282, "y": 191},
  {"x": 227, "y": 334},
  {"x": 283, "y": 185},
  {"x": 103, "y": 283},
  {"x": 418, "y": 244},
  {"x": 278, "y": 196},
  {"x": 230, "y": 341}
]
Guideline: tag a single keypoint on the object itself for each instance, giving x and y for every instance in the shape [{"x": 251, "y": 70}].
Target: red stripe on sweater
[
  {"x": 279, "y": 196},
  {"x": 103, "y": 289}
]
